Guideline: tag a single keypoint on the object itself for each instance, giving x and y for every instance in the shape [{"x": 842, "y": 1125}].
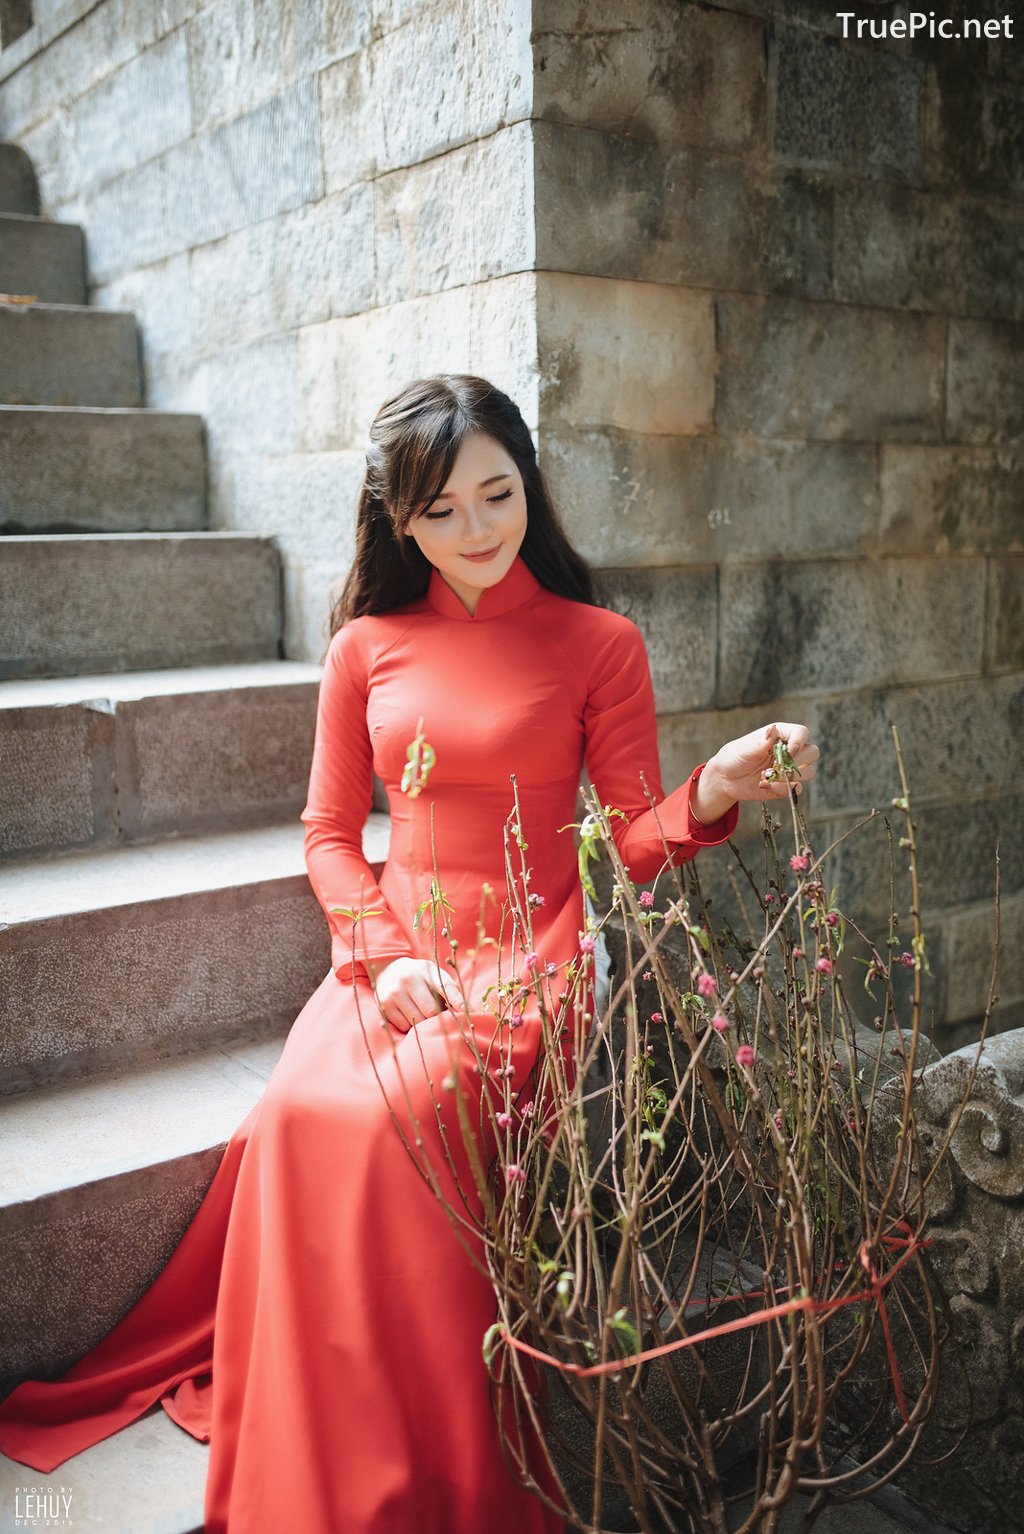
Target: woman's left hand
[{"x": 738, "y": 768}]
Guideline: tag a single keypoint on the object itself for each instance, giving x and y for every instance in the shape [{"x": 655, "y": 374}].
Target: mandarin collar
[{"x": 516, "y": 586}]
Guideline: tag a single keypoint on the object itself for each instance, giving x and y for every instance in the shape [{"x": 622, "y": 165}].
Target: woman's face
[{"x": 472, "y": 532}]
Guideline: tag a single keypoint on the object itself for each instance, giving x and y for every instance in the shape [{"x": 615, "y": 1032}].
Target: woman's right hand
[{"x": 408, "y": 990}]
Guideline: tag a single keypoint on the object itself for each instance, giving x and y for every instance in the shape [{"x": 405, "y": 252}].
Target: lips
[{"x": 479, "y": 559}]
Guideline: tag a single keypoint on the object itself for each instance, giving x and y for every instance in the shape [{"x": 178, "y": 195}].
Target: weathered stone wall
[
  {"x": 780, "y": 287},
  {"x": 758, "y": 288}
]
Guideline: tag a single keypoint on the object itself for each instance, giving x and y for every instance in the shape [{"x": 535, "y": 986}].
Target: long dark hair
[{"x": 414, "y": 441}]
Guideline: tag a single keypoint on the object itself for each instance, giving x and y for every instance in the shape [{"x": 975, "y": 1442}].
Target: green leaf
[{"x": 491, "y": 1338}]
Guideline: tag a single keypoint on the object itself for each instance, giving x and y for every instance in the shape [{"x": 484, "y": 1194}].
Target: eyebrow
[{"x": 482, "y": 485}]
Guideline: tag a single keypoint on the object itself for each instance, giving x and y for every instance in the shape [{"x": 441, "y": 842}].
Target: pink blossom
[
  {"x": 516, "y": 1020},
  {"x": 769, "y": 898},
  {"x": 515, "y": 1173},
  {"x": 656, "y": 1017},
  {"x": 648, "y": 974},
  {"x": 745, "y": 1055},
  {"x": 646, "y": 899},
  {"x": 824, "y": 964},
  {"x": 504, "y": 1120},
  {"x": 527, "y": 1109},
  {"x": 832, "y": 918},
  {"x": 779, "y": 1121},
  {"x": 587, "y": 944},
  {"x": 720, "y": 1022},
  {"x": 707, "y": 985},
  {"x": 798, "y": 953},
  {"x": 551, "y": 968},
  {"x": 532, "y": 960},
  {"x": 907, "y": 960},
  {"x": 798, "y": 862},
  {"x": 535, "y": 900}
]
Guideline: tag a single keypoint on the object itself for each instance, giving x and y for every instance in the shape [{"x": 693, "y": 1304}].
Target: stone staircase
[{"x": 158, "y": 935}]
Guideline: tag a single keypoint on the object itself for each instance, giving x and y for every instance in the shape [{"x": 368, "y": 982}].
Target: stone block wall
[
  {"x": 779, "y": 323},
  {"x": 759, "y": 288}
]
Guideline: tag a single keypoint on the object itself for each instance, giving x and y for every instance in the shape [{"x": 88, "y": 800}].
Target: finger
[
  {"x": 422, "y": 999},
  {"x": 393, "y": 1014},
  {"x": 445, "y": 986},
  {"x": 796, "y": 736}
]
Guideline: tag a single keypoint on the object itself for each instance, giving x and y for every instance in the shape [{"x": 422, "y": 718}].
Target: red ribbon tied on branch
[{"x": 910, "y": 1241}]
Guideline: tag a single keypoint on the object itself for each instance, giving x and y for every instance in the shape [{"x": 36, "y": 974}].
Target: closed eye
[{"x": 493, "y": 500}]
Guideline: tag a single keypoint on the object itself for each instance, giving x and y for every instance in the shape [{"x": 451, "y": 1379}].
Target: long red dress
[{"x": 320, "y": 1323}]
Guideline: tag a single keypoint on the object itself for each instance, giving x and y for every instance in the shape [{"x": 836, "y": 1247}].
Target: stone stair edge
[
  {"x": 107, "y": 412},
  {"x": 69, "y": 1137},
  {"x": 198, "y": 534},
  {"x": 50, "y": 886},
  {"x": 116, "y": 687},
  {"x": 7, "y": 307}
]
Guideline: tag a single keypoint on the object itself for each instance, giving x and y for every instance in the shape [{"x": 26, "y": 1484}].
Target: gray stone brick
[
  {"x": 250, "y": 398},
  {"x": 957, "y": 739},
  {"x": 306, "y": 265},
  {"x": 985, "y": 385},
  {"x": 674, "y": 74},
  {"x": 239, "y": 53},
  {"x": 956, "y": 853},
  {"x": 793, "y": 369},
  {"x": 637, "y": 356},
  {"x": 1005, "y": 615},
  {"x": 974, "y": 129},
  {"x": 677, "y": 612},
  {"x": 461, "y": 71},
  {"x": 857, "y": 108},
  {"x": 898, "y": 247},
  {"x": 950, "y": 500},
  {"x": 616, "y": 207},
  {"x": 633, "y": 499},
  {"x": 133, "y": 116},
  {"x": 460, "y": 218},
  {"x": 54, "y": 355},
  {"x": 260, "y": 164},
  {"x": 971, "y": 941},
  {"x": 817, "y": 626}
]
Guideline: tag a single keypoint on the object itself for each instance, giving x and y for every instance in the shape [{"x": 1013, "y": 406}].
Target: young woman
[{"x": 320, "y": 1321}]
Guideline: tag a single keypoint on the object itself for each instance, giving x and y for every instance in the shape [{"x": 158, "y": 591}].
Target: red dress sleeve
[
  {"x": 621, "y": 743},
  {"x": 338, "y": 802}
]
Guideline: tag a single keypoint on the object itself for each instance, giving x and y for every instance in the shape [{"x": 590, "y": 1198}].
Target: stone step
[
  {"x": 82, "y": 469},
  {"x": 150, "y": 1478},
  {"x": 19, "y": 191},
  {"x": 130, "y": 601},
  {"x": 42, "y": 258},
  {"x": 125, "y": 756},
  {"x": 99, "y": 1181},
  {"x": 64, "y": 354},
  {"x": 146, "y": 952}
]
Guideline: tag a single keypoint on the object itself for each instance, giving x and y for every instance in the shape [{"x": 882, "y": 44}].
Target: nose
[{"x": 477, "y": 528}]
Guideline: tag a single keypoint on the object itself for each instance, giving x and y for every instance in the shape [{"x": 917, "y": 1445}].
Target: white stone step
[
  {"x": 150, "y": 951},
  {"x": 68, "y": 354},
  {"x": 127, "y": 601},
  {"x": 122, "y": 756},
  {"x": 81, "y": 469},
  {"x": 40, "y": 257}
]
